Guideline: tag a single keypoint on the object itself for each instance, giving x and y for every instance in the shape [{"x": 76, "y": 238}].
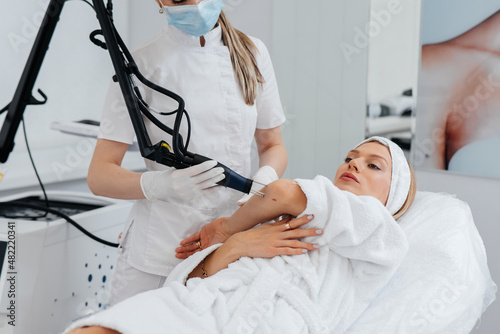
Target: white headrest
[{"x": 444, "y": 284}]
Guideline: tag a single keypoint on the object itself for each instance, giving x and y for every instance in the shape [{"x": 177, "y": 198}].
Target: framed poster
[{"x": 458, "y": 98}]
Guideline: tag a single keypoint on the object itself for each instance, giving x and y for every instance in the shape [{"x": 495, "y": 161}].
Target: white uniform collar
[{"x": 212, "y": 38}]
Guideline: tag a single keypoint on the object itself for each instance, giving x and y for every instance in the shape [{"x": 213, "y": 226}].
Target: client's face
[{"x": 367, "y": 170}]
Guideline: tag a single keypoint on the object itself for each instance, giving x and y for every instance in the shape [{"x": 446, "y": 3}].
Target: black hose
[{"x": 62, "y": 215}]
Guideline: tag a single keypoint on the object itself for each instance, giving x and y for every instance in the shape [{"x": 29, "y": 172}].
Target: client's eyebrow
[{"x": 371, "y": 155}]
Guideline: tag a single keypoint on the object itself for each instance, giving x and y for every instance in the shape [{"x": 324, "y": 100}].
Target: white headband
[{"x": 401, "y": 176}]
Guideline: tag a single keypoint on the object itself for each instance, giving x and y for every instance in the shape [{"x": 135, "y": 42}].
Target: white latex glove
[
  {"x": 265, "y": 175},
  {"x": 181, "y": 184}
]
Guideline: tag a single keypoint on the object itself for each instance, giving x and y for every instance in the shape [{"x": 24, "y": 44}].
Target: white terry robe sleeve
[
  {"x": 362, "y": 246},
  {"x": 358, "y": 228}
]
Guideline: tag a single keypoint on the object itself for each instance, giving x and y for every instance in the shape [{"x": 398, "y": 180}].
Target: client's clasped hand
[{"x": 266, "y": 240}]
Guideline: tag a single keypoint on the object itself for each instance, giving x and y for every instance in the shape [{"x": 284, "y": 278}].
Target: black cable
[
  {"x": 188, "y": 137},
  {"x": 88, "y": 3},
  {"x": 180, "y": 150},
  {"x": 46, "y": 209},
  {"x": 62, "y": 215},
  {"x": 5, "y": 109},
  {"x": 37, "y": 176},
  {"x": 34, "y": 167}
]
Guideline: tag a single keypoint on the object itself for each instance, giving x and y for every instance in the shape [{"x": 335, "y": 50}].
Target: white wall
[
  {"x": 323, "y": 87},
  {"x": 394, "y": 48},
  {"x": 254, "y": 17},
  {"x": 144, "y": 21}
]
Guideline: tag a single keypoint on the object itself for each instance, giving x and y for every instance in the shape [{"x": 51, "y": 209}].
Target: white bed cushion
[{"x": 443, "y": 285}]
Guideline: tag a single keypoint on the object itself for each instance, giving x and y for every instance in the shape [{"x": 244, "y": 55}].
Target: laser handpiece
[{"x": 232, "y": 179}]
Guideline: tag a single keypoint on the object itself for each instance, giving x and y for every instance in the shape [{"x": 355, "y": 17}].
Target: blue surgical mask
[{"x": 196, "y": 20}]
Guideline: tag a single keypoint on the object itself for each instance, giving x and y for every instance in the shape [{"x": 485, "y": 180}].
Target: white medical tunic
[{"x": 222, "y": 128}]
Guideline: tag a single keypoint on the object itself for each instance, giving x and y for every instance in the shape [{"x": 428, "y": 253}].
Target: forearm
[
  {"x": 264, "y": 241},
  {"x": 110, "y": 180},
  {"x": 271, "y": 149},
  {"x": 274, "y": 156},
  {"x": 216, "y": 261},
  {"x": 281, "y": 197},
  {"x": 107, "y": 178}
]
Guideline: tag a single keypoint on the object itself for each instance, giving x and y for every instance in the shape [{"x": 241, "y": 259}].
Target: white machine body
[{"x": 57, "y": 274}]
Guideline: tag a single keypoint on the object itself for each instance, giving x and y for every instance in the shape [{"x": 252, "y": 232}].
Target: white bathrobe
[{"x": 323, "y": 291}]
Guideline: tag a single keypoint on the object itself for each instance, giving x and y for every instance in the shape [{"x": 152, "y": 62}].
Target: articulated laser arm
[{"x": 126, "y": 70}]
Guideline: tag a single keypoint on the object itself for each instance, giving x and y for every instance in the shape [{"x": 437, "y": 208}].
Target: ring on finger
[
  {"x": 198, "y": 243},
  {"x": 288, "y": 227}
]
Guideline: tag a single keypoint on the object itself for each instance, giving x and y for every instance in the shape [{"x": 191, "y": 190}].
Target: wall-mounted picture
[{"x": 458, "y": 105}]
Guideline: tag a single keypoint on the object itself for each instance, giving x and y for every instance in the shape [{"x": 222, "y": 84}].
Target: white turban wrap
[{"x": 401, "y": 176}]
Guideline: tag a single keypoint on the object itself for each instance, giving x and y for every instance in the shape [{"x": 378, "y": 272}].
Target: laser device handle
[{"x": 232, "y": 180}]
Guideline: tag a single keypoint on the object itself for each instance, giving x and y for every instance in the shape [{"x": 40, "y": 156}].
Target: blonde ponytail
[{"x": 243, "y": 57}]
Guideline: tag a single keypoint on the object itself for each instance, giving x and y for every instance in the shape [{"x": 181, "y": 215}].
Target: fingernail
[
  {"x": 319, "y": 231},
  {"x": 309, "y": 217},
  {"x": 304, "y": 251},
  {"x": 316, "y": 246}
]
